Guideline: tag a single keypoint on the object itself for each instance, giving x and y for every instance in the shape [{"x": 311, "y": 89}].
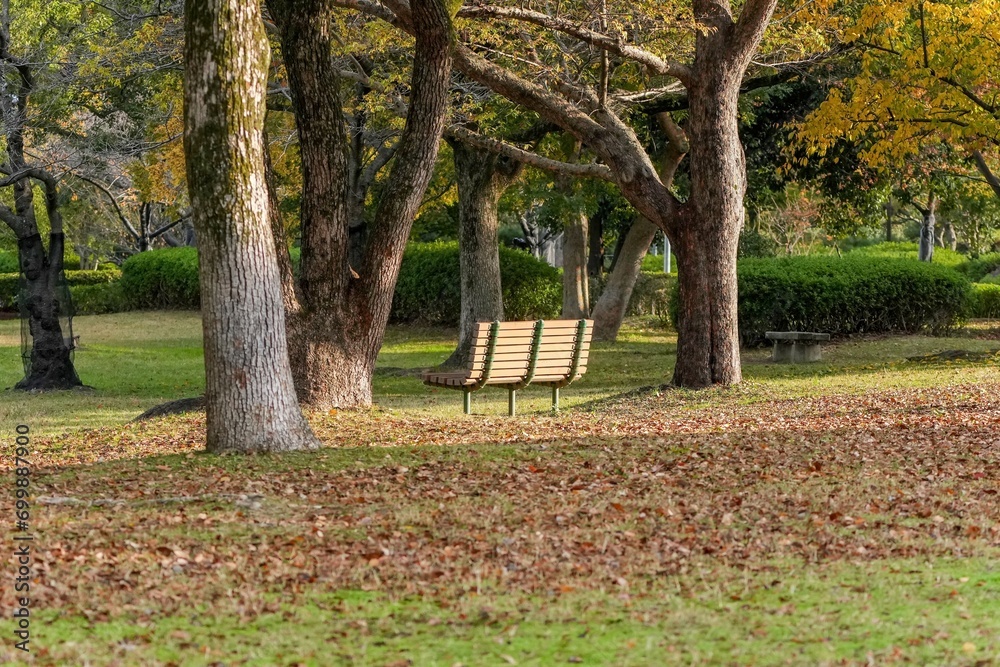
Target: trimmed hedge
[
  {"x": 651, "y": 295},
  {"x": 99, "y": 299},
  {"x": 429, "y": 290},
  {"x": 909, "y": 250},
  {"x": 9, "y": 283},
  {"x": 978, "y": 269},
  {"x": 984, "y": 301},
  {"x": 166, "y": 278},
  {"x": 850, "y": 295}
]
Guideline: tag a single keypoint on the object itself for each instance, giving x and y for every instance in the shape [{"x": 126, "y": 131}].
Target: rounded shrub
[
  {"x": 429, "y": 289},
  {"x": 166, "y": 278},
  {"x": 850, "y": 295}
]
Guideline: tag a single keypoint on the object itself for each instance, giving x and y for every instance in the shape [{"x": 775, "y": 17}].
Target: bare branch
[
  {"x": 592, "y": 170},
  {"x": 114, "y": 202},
  {"x": 551, "y": 107},
  {"x": 750, "y": 28},
  {"x": 651, "y": 61},
  {"x": 170, "y": 225},
  {"x": 382, "y": 158},
  {"x": 987, "y": 173}
]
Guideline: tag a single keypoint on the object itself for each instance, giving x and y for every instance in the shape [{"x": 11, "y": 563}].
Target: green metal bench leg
[
  {"x": 467, "y": 401},
  {"x": 555, "y": 399},
  {"x": 511, "y": 402}
]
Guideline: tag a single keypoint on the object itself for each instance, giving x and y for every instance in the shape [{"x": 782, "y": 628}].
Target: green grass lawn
[
  {"x": 837, "y": 513},
  {"x": 136, "y": 360}
]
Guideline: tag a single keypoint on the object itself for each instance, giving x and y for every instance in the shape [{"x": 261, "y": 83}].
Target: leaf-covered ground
[
  {"x": 652, "y": 496},
  {"x": 844, "y": 512}
]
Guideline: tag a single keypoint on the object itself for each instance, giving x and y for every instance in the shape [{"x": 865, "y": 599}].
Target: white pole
[{"x": 666, "y": 254}]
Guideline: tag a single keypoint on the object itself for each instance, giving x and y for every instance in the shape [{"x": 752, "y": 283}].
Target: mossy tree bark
[
  {"x": 249, "y": 393},
  {"x": 482, "y": 179},
  {"x": 337, "y": 328}
]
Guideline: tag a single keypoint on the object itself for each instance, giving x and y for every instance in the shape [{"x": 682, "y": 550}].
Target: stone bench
[{"x": 796, "y": 347}]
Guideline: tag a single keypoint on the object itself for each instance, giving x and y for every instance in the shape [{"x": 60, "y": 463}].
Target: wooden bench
[
  {"x": 795, "y": 347},
  {"x": 513, "y": 355}
]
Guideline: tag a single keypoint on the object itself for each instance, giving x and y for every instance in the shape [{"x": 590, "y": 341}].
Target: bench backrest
[
  {"x": 564, "y": 349},
  {"x": 509, "y": 353},
  {"x": 515, "y": 352}
]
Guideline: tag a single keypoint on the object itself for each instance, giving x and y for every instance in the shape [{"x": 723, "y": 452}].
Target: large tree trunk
[
  {"x": 707, "y": 235},
  {"x": 50, "y": 364},
  {"x": 613, "y": 302},
  {"x": 249, "y": 392},
  {"x": 482, "y": 179},
  {"x": 316, "y": 323},
  {"x": 336, "y": 336},
  {"x": 576, "y": 282}
]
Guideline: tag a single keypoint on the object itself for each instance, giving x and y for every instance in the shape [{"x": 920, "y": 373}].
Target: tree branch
[
  {"x": 382, "y": 157},
  {"x": 674, "y": 102},
  {"x": 651, "y": 61},
  {"x": 13, "y": 221},
  {"x": 592, "y": 170},
  {"x": 114, "y": 202},
  {"x": 551, "y": 107},
  {"x": 170, "y": 225},
  {"x": 987, "y": 173},
  {"x": 750, "y": 28}
]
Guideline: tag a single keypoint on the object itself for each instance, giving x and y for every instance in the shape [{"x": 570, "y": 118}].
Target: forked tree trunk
[
  {"x": 613, "y": 302},
  {"x": 50, "y": 363},
  {"x": 335, "y": 337},
  {"x": 249, "y": 393},
  {"x": 482, "y": 179},
  {"x": 705, "y": 229}
]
